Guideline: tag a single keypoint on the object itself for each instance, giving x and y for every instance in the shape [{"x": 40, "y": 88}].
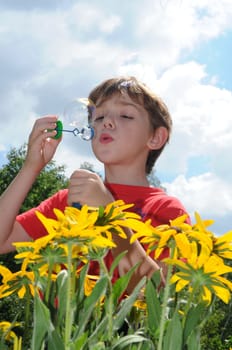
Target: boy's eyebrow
[
  {"x": 137, "y": 106},
  {"x": 125, "y": 103}
]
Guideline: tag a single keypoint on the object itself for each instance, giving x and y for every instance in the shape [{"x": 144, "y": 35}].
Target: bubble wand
[{"x": 77, "y": 114}]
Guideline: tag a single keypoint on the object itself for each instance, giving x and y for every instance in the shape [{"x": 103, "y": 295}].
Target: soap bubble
[{"x": 77, "y": 115}]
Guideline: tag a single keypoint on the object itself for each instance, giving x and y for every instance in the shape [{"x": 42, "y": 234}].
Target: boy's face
[{"x": 122, "y": 131}]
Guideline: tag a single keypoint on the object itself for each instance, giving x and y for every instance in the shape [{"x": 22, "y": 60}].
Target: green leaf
[
  {"x": 126, "y": 305},
  {"x": 44, "y": 327},
  {"x": 128, "y": 340},
  {"x": 90, "y": 302},
  {"x": 80, "y": 284},
  {"x": 41, "y": 323},
  {"x": 101, "y": 210},
  {"x": 98, "y": 346},
  {"x": 80, "y": 342},
  {"x": 99, "y": 330},
  {"x": 62, "y": 293},
  {"x": 156, "y": 279},
  {"x": 153, "y": 307},
  {"x": 192, "y": 320},
  {"x": 174, "y": 333},
  {"x": 116, "y": 262},
  {"x": 193, "y": 341},
  {"x": 54, "y": 341},
  {"x": 121, "y": 284}
]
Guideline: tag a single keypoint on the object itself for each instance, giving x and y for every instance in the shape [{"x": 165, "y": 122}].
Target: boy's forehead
[{"x": 118, "y": 98}]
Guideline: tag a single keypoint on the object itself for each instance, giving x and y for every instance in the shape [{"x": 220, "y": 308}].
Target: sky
[{"x": 54, "y": 51}]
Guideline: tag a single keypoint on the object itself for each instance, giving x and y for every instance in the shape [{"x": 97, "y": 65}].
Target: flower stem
[
  {"x": 110, "y": 300},
  {"x": 27, "y": 309},
  {"x": 189, "y": 304},
  {"x": 165, "y": 302},
  {"x": 48, "y": 286},
  {"x": 69, "y": 313}
]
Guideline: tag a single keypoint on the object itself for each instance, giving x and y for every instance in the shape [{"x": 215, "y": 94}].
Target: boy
[{"x": 131, "y": 128}]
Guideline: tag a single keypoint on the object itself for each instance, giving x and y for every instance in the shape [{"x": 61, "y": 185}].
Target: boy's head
[{"x": 157, "y": 110}]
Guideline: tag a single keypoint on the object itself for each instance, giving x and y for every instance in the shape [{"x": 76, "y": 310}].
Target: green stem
[
  {"x": 27, "y": 309},
  {"x": 49, "y": 281},
  {"x": 189, "y": 304},
  {"x": 110, "y": 300},
  {"x": 69, "y": 313},
  {"x": 165, "y": 302}
]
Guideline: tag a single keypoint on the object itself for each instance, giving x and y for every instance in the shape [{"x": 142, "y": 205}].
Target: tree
[
  {"x": 50, "y": 180},
  {"x": 154, "y": 180},
  {"x": 90, "y": 167},
  {"x": 217, "y": 330}
]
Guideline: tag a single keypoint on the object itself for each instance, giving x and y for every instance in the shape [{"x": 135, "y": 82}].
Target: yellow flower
[
  {"x": 73, "y": 217},
  {"x": 6, "y": 329},
  {"x": 80, "y": 226},
  {"x": 140, "y": 304},
  {"x": 43, "y": 272},
  {"x": 160, "y": 237},
  {"x": 223, "y": 245},
  {"x": 201, "y": 225},
  {"x": 19, "y": 282},
  {"x": 30, "y": 251},
  {"x": 203, "y": 272},
  {"x": 117, "y": 209},
  {"x": 90, "y": 282},
  {"x": 92, "y": 228}
]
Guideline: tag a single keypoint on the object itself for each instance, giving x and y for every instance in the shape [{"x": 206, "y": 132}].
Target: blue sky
[
  {"x": 216, "y": 55},
  {"x": 53, "y": 51}
]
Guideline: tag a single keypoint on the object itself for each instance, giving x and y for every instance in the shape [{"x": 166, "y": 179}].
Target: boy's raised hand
[
  {"x": 41, "y": 145},
  {"x": 86, "y": 187}
]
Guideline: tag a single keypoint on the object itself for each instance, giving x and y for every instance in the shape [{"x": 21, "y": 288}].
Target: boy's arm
[
  {"x": 87, "y": 187},
  {"x": 135, "y": 254},
  {"x": 40, "y": 151}
]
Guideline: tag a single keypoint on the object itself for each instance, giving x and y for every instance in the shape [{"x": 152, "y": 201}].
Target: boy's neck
[{"x": 128, "y": 177}]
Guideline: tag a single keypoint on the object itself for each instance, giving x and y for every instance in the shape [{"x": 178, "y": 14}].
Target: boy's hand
[
  {"x": 86, "y": 187},
  {"x": 41, "y": 145}
]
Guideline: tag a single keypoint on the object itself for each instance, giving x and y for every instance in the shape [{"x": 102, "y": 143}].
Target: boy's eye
[
  {"x": 126, "y": 116},
  {"x": 99, "y": 118}
]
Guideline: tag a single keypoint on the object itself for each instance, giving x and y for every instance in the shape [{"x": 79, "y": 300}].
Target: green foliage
[
  {"x": 14, "y": 309},
  {"x": 154, "y": 180},
  {"x": 50, "y": 180},
  {"x": 90, "y": 167},
  {"x": 216, "y": 333}
]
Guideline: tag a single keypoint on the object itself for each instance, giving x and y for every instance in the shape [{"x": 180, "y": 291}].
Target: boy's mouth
[{"x": 105, "y": 138}]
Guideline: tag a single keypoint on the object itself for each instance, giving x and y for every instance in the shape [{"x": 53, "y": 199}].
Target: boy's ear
[{"x": 158, "y": 139}]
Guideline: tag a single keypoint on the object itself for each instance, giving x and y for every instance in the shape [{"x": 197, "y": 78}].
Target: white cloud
[
  {"x": 56, "y": 51},
  {"x": 88, "y": 18},
  {"x": 201, "y": 192},
  {"x": 2, "y": 148},
  {"x": 202, "y": 121}
]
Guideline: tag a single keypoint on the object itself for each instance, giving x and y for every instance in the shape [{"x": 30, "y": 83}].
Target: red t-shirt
[{"x": 149, "y": 202}]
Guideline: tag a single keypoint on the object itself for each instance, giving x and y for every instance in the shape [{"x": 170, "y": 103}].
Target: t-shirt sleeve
[
  {"x": 171, "y": 209},
  {"x": 166, "y": 208},
  {"x": 29, "y": 221}
]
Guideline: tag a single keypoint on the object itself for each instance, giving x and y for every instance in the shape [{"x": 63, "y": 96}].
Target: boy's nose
[{"x": 108, "y": 122}]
